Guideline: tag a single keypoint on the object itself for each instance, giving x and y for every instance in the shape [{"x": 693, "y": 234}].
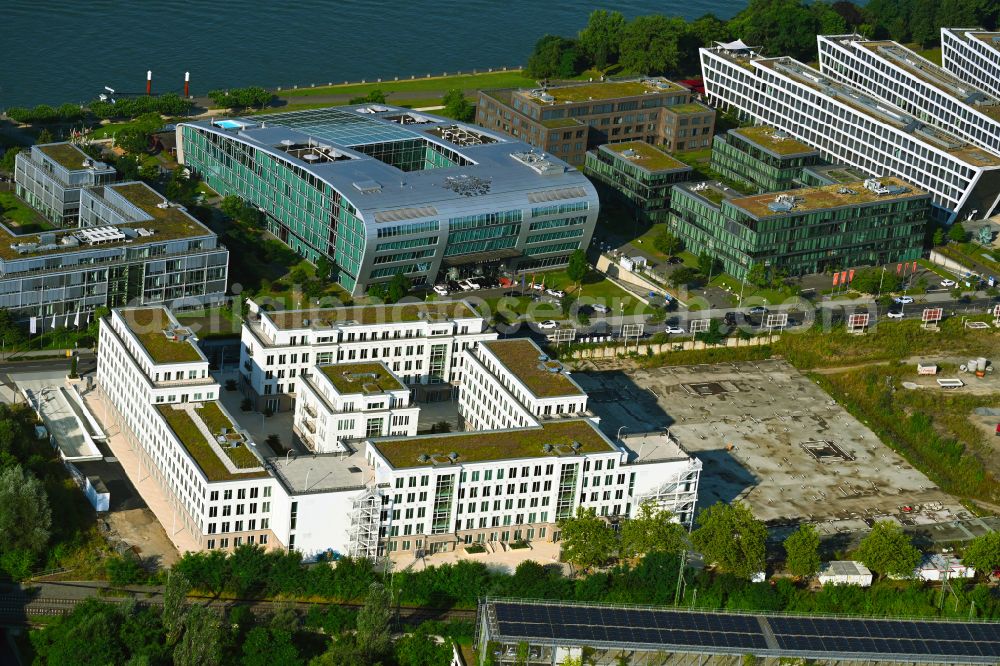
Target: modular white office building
[
  {"x": 927, "y": 92},
  {"x": 851, "y": 126},
  {"x": 973, "y": 55}
]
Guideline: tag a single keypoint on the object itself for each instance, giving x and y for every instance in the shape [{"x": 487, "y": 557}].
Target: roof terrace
[
  {"x": 545, "y": 378},
  {"x": 828, "y": 196},
  {"x": 361, "y": 378},
  {"x": 161, "y": 336},
  {"x": 551, "y": 439},
  {"x": 602, "y": 90},
  {"x": 646, "y": 156},
  {"x": 206, "y": 433}
]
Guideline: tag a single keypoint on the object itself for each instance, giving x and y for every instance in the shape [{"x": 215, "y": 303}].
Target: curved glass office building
[{"x": 381, "y": 190}]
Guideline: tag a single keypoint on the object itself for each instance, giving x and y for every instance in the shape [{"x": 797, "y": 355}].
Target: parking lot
[{"x": 770, "y": 437}]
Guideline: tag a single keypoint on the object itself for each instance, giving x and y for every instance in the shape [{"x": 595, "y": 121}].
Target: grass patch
[
  {"x": 198, "y": 447},
  {"x": 22, "y": 218},
  {"x": 520, "y": 356},
  {"x": 934, "y": 54},
  {"x": 148, "y": 325},
  {"x": 352, "y": 378},
  {"x": 509, "y": 79},
  {"x": 766, "y": 295},
  {"x": 211, "y": 323}
]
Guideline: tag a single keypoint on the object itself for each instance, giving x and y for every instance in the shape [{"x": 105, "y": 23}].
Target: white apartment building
[
  {"x": 512, "y": 384},
  {"x": 922, "y": 89},
  {"x": 420, "y": 342},
  {"x": 348, "y": 402},
  {"x": 850, "y": 126},
  {"x": 973, "y": 55}
]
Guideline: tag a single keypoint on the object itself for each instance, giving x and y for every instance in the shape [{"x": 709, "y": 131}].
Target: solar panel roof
[
  {"x": 340, "y": 127},
  {"x": 709, "y": 632}
]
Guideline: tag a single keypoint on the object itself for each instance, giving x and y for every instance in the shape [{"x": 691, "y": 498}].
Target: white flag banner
[
  {"x": 33, "y": 326},
  {"x": 76, "y": 320},
  {"x": 66, "y": 325},
  {"x": 53, "y": 322}
]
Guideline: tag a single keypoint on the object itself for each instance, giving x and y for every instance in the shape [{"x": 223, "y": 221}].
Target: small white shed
[
  {"x": 633, "y": 264},
  {"x": 939, "y": 566},
  {"x": 845, "y": 572}
]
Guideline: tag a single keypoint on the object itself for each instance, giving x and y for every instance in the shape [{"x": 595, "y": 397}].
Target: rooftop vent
[
  {"x": 367, "y": 186},
  {"x": 782, "y": 203},
  {"x": 629, "y": 153},
  {"x": 845, "y": 190},
  {"x": 423, "y": 458},
  {"x": 453, "y": 456}
]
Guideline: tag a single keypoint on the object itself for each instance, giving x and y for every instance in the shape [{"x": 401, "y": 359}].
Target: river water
[{"x": 67, "y": 50}]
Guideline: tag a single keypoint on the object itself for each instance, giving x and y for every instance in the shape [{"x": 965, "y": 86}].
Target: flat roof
[
  {"x": 826, "y": 196},
  {"x": 65, "y": 155},
  {"x": 838, "y": 173},
  {"x": 651, "y": 628},
  {"x": 844, "y": 568},
  {"x": 342, "y": 147},
  {"x": 774, "y": 141},
  {"x": 522, "y": 357},
  {"x": 646, "y": 156},
  {"x": 363, "y": 378},
  {"x": 194, "y": 441},
  {"x": 604, "y": 90},
  {"x": 653, "y": 447},
  {"x": 689, "y": 108},
  {"x": 149, "y": 326},
  {"x": 166, "y": 224},
  {"x": 370, "y": 314},
  {"x": 991, "y": 39},
  {"x": 483, "y": 446},
  {"x": 557, "y": 123},
  {"x": 712, "y": 191},
  {"x": 325, "y": 472},
  {"x": 878, "y": 110}
]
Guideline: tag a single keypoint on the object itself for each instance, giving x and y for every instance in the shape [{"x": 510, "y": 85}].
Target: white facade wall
[
  {"x": 847, "y": 59},
  {"x": 764, "y": 90},
  {"x": 971, "y": 59}
]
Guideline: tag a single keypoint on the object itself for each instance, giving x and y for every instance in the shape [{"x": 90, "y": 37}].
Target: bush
[{"x": 124, "y": 571}]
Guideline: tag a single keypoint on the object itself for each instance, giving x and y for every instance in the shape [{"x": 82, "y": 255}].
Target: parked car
[
  {"x": 548, "y": 324},
  {"x": 674, "y": 330},
  {"x": 894, "y": 314},
  {"x": 603, "y": 309},
  {"x": 758, "y": 310},
  {"x": 558, "y": 293},
  {"x": 674, "y": 261},
  {"x": 464, "y": 285},
  {"x": 731, "y": 319},
  {"x": 948, "y": 283},
  {"x": 538, "y": 286},
  {"x": 441, "y": 290},
  {"x": 903, "y": 300}
]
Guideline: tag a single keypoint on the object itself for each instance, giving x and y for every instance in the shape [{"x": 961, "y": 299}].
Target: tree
[
  {"x": 373, "y": 639},
  {"x": 10, "y": 333},
  {"x": 757, "y": 275},
  {"x": 457, "y": 106},
  {"x": 875, "y": 280},
  {"x": 938, "y": 237},
  {"x": 729, "y": 536},
  {"x": 25, "y": 518},
  {"x": 323, "y": 269},
  {"x": 667, "y": 243},
  {"x": 420, "y": 649},
  {"x": 265, "y": 646},
  {"x": 683, "y": 276},
  {"x": 7, "y": 161},
  {"x": 374, "y": 96},
  {"x": 653, "y": 530},
  {"x": 601, "y": 38},
  {"x": 45, "y": 136},
  {"x": 650, "y": 44},
  {"x": 888, "y": 551},
  {"x": 554, "y": 57},
  {"x": 123, "y": 571},
  {"x": 587, "y": 540},
  {"x": 713, "y": 335},
  {"x": 182, "y": 187},
  {"x": 802, "y": 551},
  {"x": 708, "y": 264},
  {"x": 957, "y": 233},
  {"x": 577, "y": 268},
  {"x": 174, "y": 600},
  {"x": 241, "y": 98},
  {"x": 398, "y": 287},
  {"x": 983, "y": 553},
  {"x": 199, "y": 645}
]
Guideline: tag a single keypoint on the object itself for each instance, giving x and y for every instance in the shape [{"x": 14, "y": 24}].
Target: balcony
[
  {"x": 310, "y": 425},
  {"x": 309, "y": 409}
]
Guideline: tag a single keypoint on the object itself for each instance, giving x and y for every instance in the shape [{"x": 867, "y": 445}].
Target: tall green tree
[
  {"x": 957, "y": 233},
  {"x": 650, "y": 44},
  {"x": 667, "y": 242},
  {"x": 420, "y": 649},
  {"x": 554, "y": 57},
  {"x": 577, "y": 268},
  {"x": 587, "y": 540},
  {"x": 174, "y": 604},
  {"x": 983, "y": 553},
  {"x": 778, "y": 27},
  {"x": 601, "y": 39},
  {"x": 373, "y": 639},
  {"x": 270, "y": 647},
  {"x": 802, "y": 551},
  {"x": 457, "y": 106},
  {"x": 728, "y": 535},
  {"x": 25, "y": 517},
  {"x": 653, "y": 530},
  {"x": 7, "y": 161},
  {"x": 200, "y": 643},
  {"x": 887, "y": 550}
]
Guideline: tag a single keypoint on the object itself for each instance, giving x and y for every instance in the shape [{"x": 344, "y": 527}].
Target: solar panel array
[
  {"x": 958, "y": 642},
  {"x": 340, "y": 127},
  {"x": 616, "y": 625},
  {"x": 886, "y": 637}
]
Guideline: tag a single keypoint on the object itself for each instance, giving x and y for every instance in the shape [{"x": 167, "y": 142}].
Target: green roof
[
  {"x": 764, "y": 137},
  {"x": 364, "y": 378},
  {"x": 149, "y": 324},
  {"x": 192, "y": 439},
  {"x": 647, "y": 156},
  {"x": 556, "y": 123},
  {"x": 483, "y": 446},
  {"x": 522, "y": 357},
  {"x": 827, "y": 196},
  {"x": 690, "y": 107},
  {"x": 602, "y": 90},
  {"x": 371, "y": 314},
  {"x": 65, "y": 154}
]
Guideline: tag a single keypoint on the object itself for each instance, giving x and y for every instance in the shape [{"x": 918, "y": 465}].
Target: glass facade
[
  {"x": 801, "y": 242},
  {"x": 737, "y": 159},
  {"x": 645, "y": 191}
]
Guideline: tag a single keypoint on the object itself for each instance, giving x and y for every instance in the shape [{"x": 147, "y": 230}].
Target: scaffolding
[
  {"x": 365, "y": 518},
  {"x": 678, "y": 495}
]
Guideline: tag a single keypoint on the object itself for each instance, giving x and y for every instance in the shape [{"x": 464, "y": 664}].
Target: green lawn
[
  {"x": 509, "y": 79},
  {"x": 23, "y": 218},
  {"x": 734, "y": 285},
  {"x": 596, "y": 289},
  {"x": 934, "y": 55}
]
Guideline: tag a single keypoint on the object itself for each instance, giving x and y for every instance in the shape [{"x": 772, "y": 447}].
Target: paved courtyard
[{"x": 770, "y": 437}]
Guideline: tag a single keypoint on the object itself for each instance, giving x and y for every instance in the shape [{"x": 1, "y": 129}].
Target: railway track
[{"x": 19, "y": 607}]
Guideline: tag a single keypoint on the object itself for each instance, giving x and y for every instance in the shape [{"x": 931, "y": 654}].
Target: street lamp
[{"x": 619, "y": 435}]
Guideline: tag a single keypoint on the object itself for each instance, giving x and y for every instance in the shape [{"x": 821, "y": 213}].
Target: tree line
[{"x": 658, "y": 44}]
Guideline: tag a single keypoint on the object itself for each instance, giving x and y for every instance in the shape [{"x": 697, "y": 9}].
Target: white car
[
  {"x": 948, "y": 283},
  {"x": 538, "y": 286},
  {"x": 894, "y": 314},
  {"x": 903, "y": 300},
  {"x": 474, "y": 284},
  {"x": 674, "y": 330},
  {"x": 558, "y": 293},
  {"x": 603, "y": 309},
  {"x": 548, "y": 324},
  {"x": 440, "y": 290}
]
